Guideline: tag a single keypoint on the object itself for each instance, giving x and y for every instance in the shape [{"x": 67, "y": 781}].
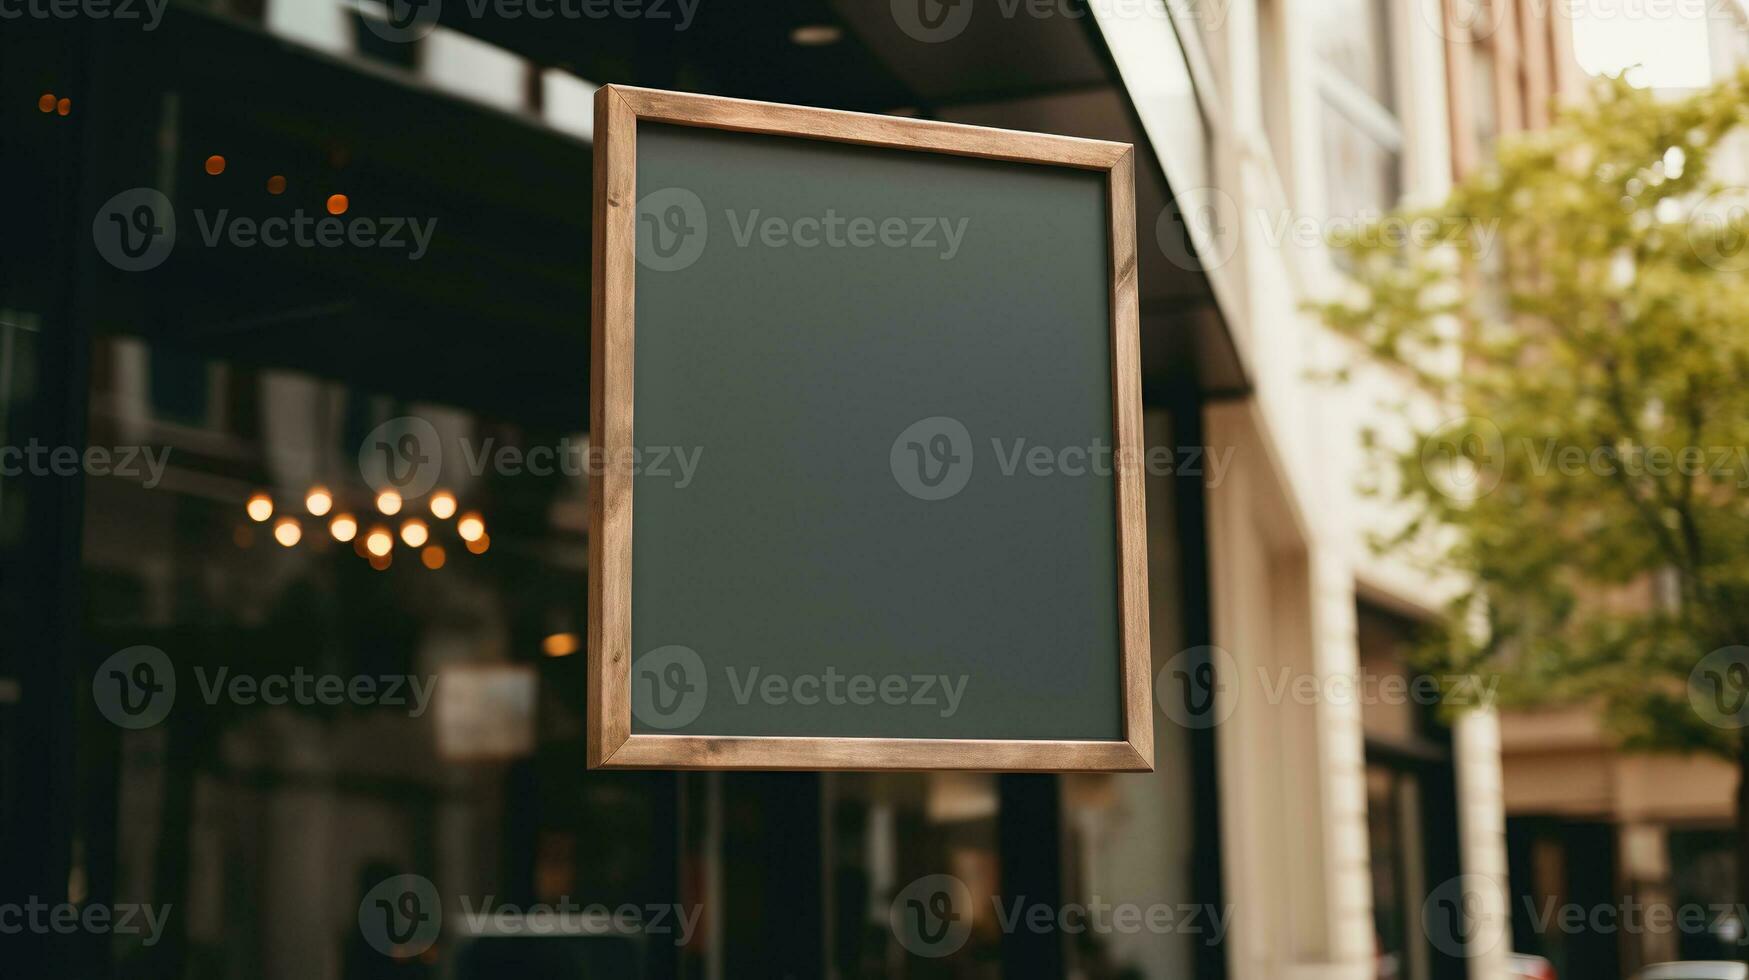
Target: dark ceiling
[{"x": 496, "y": 314}]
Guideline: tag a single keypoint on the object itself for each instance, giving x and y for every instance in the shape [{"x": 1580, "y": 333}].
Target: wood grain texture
[
  {"x": 1132, "y": 518},
  {"x": 981, "y": 755},
  {"x": 611, "y": 743},
  {"x": 742, "y": 115},
  {"x": 610, "y": 425}
]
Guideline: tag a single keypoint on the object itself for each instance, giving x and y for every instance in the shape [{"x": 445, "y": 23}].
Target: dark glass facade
[{"x": 367, "y": 690}]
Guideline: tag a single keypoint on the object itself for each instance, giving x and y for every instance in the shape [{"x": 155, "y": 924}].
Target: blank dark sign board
[{"x": 866, "y": 419}]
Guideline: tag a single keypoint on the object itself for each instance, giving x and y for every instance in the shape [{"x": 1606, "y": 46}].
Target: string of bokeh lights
[{"x": 377, "y": 542}]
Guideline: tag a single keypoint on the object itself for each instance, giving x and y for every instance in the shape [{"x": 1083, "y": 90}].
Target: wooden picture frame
[{"x": 611, "y": 742}]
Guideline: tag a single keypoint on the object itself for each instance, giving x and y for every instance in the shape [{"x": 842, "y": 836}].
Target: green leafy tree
[{"x": 1591, "y": 331}]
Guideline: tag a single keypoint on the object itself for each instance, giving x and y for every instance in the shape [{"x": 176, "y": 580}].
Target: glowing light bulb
[
  {"x": 414, "y": 533},
  {"x": 479, "y": 545},
  {"x": 389, "y": 502},
  {"x": 379, "y": 541},
  {"x": 287, "y": 532},
  {"x": 470, "y": 527},
  {"x": 318, "y": 501},
  {"x": 259, "y": 507},
  {"x": 443, "y": 505},
  {"x": 344, "y": 527},
  {"x": 560, "y": 644}
]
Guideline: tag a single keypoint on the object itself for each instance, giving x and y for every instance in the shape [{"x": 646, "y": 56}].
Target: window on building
[
  {"x": 1411, "y": 799},
  {"x": 1363, "y": 138}
]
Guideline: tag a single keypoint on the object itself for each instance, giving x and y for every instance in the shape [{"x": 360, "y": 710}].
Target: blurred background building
[
  {"x": 1325, "y": 826},
  {"x": 1587, "y": 822}
]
